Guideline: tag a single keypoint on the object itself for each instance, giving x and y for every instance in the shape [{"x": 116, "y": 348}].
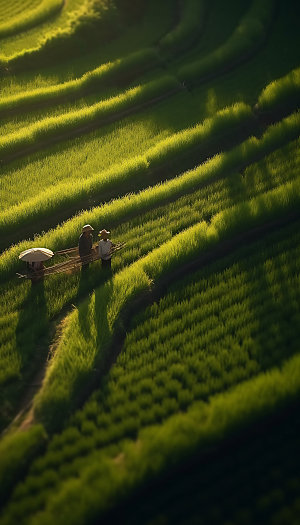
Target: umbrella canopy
[{"x": 36, "y": 255}]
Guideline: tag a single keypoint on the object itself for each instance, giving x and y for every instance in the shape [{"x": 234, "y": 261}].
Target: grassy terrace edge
[
  {"x": 121, "y": 70},
  {"x": 161, "y": 447},
  {"x": 104, "y": 75},
  {"x": 129, "y": 66},
  {"x": 16, "y": 452},
  {"x": 178, "y": 152},
  {"x": 278, "y": 98},
  {"x": 80, "y": 25},
  {"x": 31, "y": 18},
  {"x": 76, "y": 354},
  {"x": 281, "y": 94},
  {"x": 75, "y": 122},
  {"x": 244, "y": 41},
  {"x": 108, "y": 476},
  {"x": 176, "y": 40},
  {"x": 119, "y": 209}
]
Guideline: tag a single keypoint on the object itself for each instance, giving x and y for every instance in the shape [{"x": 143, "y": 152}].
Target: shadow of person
[
  {"x": 93, "y": 313},
  {"x": 82, "y": 291},
  {"x": 90, "y": 280},
  {"x": 32, "y": 329},
  {"x": 103, "y": 296}
]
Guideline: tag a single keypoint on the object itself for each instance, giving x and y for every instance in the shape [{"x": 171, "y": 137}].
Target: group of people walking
[{"x": 104, "y": 248}]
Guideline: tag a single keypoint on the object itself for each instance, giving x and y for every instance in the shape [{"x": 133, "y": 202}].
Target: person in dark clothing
[{"x": 85, "y": 245}]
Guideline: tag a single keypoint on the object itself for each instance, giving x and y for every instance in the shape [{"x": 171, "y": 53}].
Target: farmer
[
  {"x": 105, "y": 246},
  {"x": 85, "y": 245},
  {"x": 34, "y": 258},
  {"x": 36, "y": 271}
]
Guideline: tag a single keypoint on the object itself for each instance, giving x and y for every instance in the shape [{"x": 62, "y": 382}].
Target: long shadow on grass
[
  {"x": 244, "y": 472},
  {"x": 83, "y": 289},
  {"x": 32, "y": 322},
  {"x": 31, "y": 331},
  {"x": 100, "y": 338}
]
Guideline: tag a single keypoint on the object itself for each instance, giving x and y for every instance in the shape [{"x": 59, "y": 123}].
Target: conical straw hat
[{"x": 36, "y": 255}]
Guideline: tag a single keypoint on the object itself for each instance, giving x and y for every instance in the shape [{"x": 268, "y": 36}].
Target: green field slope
[{"x": 175, "y": 125}]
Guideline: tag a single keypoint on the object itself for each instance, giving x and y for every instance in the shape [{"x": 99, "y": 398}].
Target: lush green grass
[
  {"x": 26, "y": 312},
  {"x": 262, "y": 486},
  {"x": 156, "y": 375},
  {"x": 27, "y": 19},
  {"x": 120, "y": 70},
  {"x": 144, "y": 34},
  {"x": 16, "y": 452},
  {"x": 76, "y": 26},
  {"x": 133, "y": 204},
  {"x": 54, "y": 127},
  {"x": 178, "y": 151},
  {"x": 281, "y": 94},
  {"x": 108, "y": 73},
  {"x": 20, "y": 44},
  {"x": 85, "y": 345},
  {"x": 103, "y": 149},
  {"x": 188, "y": 29},
  {"x": 199, "y": 364},
  {"x": 162, "y": 446},
  {"x": 243, "y": 42},
  {"x": 9, "y": 10}
]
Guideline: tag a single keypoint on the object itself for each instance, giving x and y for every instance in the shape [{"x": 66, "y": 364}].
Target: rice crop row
[
  {"x": 120, "y": 209},
  {"x": 215, "y": 313},
  {"x": 142, "y": 234},
  {"x": 53, "y": 127},
  {"x": 30, "y": 18},
  {"x": 11, "y": 9},
  {"x": 151, "y": 228},
  {"x": 156, "y": 375},
  {"x": 238, "y": 318},
  {"x": 178, "y": 152},
  {"x": 75, "y": 26},
  {"x": 63, "y": 163},
  {"x": 148, "y": 34},
  {"x": 28, "y": 41},
  {"x": 149, "y": 383},
  {"x": 185, "y": 364},
  {"x": 120, "y": 71},
  {"x": 77, "y": 353},
  {"x": 160, "y": 447},
  {"x": 16, "y": 453},
  {"x": 281, "y": 94},
  {"x": 255, "y": 492},
  {"x": 243, "y": 42},
  {"x": 10, "y": 137},
  {"x": 144, "y": 33},
  {"x": 188, "y": 29}
]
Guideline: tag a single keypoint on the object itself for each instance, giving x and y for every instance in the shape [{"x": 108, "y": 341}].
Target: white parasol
[{"x": 36, "y": 255}]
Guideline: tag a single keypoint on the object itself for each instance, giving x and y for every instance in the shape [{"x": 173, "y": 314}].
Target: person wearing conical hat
[
  {"x": 105, "y": 246},
  {"x": 85, "y": 245}
]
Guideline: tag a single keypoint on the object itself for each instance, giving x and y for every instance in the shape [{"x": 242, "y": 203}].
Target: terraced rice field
[{"x": 167, "y": 390}]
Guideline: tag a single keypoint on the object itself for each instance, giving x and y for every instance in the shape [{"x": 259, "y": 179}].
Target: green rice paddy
[{"x": 176, "y": 126}]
